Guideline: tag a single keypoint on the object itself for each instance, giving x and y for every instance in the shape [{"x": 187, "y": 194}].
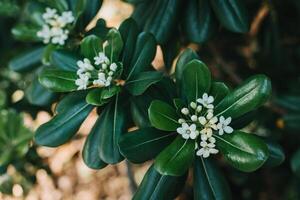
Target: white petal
[
  {"x": 202, "y": 120},
  {"x": 213, "y": 151},
  {"x": 212, "y": 140},
  {"x": 193, "y": 127},
  {"x": 213, "y": 120},
  {"x": 180, "y": 130},
  {"x": 200, "y": 152},
  {"x": 185, "y": 136},
  {"x": 209, "y": 132},
  {"x": 221, "y": 132},
  {"x": 193, "y": 135},
  {"x": 209, "y": 115},
  {"x": 206, "y": 153},
  {"x": 227, "y": 121},
  {"x": 228, "y": 129},
  {"x": 194, "y": 118},
  {"x": 222, "y": 119},
  {"x": 203, "y": 137},
  {"x": 210, "y": 106},
  {"x": 205, "y": 96},
  {"x": 210, "y": 99},
  {"x": 185, "y": 126}
]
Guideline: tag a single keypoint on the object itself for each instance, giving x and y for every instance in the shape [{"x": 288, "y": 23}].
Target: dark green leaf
[
  {"x": 176, "y": 158},
  {"x": 100, "y": 96},
  {"x": 276, "y": 154},
  {"x": 290, "y": 102},
  {"x": 64, "y": 60},
  {"x": 291, "y": 122},
  {"x": 163, "y": 116},
  {"x": 159, "y": 187},
  {"x": 196, "y": 80},
  {"x": 63, "y": 126},
  {"x": 170, "y": 50},
  {"x": 90, "y": 46},
  {"x": 58, "y": 80},
  {"x": 295, "y": 163},
  {"x": 138, "y": 84},
  {"x": 114, "y": 46},
  {"x": 209, "y": 182},
  {"x": 144, "y": 144},
  {"x": 25, "y": 32},
  {"x": 218, "y": 90},
  {"x": 250, "y": 95},
  {"x": 243, "y": 151},
  {"x": 91, "y": 9},
  {"x": 90, "y": 151}
]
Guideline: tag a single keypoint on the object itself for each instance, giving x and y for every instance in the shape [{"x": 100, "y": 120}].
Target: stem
[{"x": 132, "y": 183}]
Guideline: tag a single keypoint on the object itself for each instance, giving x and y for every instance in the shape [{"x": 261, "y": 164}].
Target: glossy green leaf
[
  {"x": 185, "y": 57},
  {"x": 196, "y": 80},
  {"x": 90, "y": 153},
  {"x": 144, "y": 144},
  {"x": 232, "y": 14},
  {"x": 90, "y": 46},
  {"x": 209, "y": 182},
  {"x": 290, "y": 102},
  {"x": 178, "y": 105},
  {"x": 27, "y": 61},
  {"x": 163, "y": 116},
  {"x": 114, "y": 45},
  {"x": 58, "y": 80},
  {"x": 159, "y": 187},
  {"x": 138, "y": 84},
  {"x": 65, "y": 124},
  {"x": 295, "y": 163},
  {"x": 170, "y": 50},
  {"x": 25, "y": 32},
  {"x": 276, "y": 154},
  {"x": 100, "y": 96},
  {"x": 199, "y": 23},
  {"x": 218, "y": 90},
  {"x": 291, "y": 121},
  {"x": 33, "y": 11},
  {"x": 91, "y": 9},
  {"x": 144, "y": 53},
  {"x": 251, "y": 94},
  {"x": 176, "y": 158},
  {"x": 3, "y": 98},
  {"x": 129, "y": 32},
  {"x": 64, "y": 60},
  {"x": 245, "y": 152},
  {"x": 36, "y": 94},
  {"x": 113, "y": 124}
]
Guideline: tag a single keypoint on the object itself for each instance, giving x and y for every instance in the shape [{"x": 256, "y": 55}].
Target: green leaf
[
  {"x": 100, "y": 29},
  {"x": 100, "y": 96},
  {"x": 184, "y": 58},
  {"x": 196, "y": 80},
  {"x": 144, "y": 144},
  {"x": 113, "y": 123},
  {"x": 291, "y": 121},
  {"x": 163, "y": 116},
  {"x": 295, "y": 163},
  {"x": 91, "y": 9},
  {"x": 64, "y": 125},
  {"x": 218, "y": 90},
  {"x": 90, "y": 153},
  {"x": 129, "y": 32},
  {"x": 25, "y": 32},
  {"x": 232, "y": 14},
  {"x": 3, "y": 98},
  {"x": 276, "y": 154},
  {"x": 144, "y": 53},
  {"x": 253, "y": 92},
  {"x": 27, "y": 61},
  {"x": 33, "y": 11},
  {"x": 289, "y": 102},
  {"x": 159, "y": 187},
  {"x": 176, "y": 158},
  {"x": 209, "y": 182},
  {"x": 199, "y": 22},
  {"x": 114, "y": 45},
  {"x": 138, "y": 84},
  {"x": 245, "y": 152},
  {"x": 38, "y": 95},
  {"x": 64, "y": 60},
  {"x": 178, "y": 105},
  {"x": 90, "y": 46},
  {"x": 170, "y": 50},
  {"x": 58, "y": 80}
]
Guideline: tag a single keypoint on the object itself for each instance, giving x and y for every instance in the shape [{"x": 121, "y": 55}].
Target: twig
[{"x": 258, "y": 19}]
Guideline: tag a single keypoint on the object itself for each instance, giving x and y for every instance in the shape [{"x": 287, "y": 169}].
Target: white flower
[
  {"x": 207, "y": 148},
  {"x": 60, "y": 38},
  {"x": 83, "y": 81},
  {"x": 67, "y": 17},
  {"x": 101, "y": 59},
  {"x": 206, "y": 101},
  {"x": 45, "y": 34},
  {"x": 185, "y": 111},
  {"x": 194, "y": 118},
  {"x": 209, "y": 123},
  {"x": 223, "y": 125},
  {"x": 85, "y": 65},
  {"x": 113, "y": 67},
  {"x": 50, "y": 13},
  {"x": 187, "y": 131}
]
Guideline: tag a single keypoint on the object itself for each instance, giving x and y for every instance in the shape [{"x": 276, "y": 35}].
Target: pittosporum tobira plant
[
  {"x": 106, "y": 75},
  {"x": 51, "y": 25},
  {"x": 199, "y": 125}
]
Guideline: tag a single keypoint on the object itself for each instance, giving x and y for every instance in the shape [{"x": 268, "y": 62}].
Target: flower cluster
[
  {"x": 199, "y": 120},
  {"x": 55, "y": 28},
  {"x": 103, "y": 68}
]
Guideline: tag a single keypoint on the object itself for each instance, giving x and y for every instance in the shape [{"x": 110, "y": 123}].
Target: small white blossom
[
  {"x": 185, "y": 111},
  {"x": 49, "y": 14},
  {"x": 180, "y": 121},
  {"x": 206, "y": 101},
  {"x": 194, "y": 118},
  {"x": 223, "y": 125},
  {"x": 198, "y": 109},
  {"x": 207, "y": 148},
  {"x": 83, "y": 81},
  {"x": 193, "y": 105},
  {"x": 187, "y": 131},
  {"x": 85, "y": 65},
  {"x": 113, "y": 67},
  {"x": 45, "y": 33},
  {"x": 101, "y": 58},
  {"x": 67, "y": 17},
  {"x": 209, "y": 123}
]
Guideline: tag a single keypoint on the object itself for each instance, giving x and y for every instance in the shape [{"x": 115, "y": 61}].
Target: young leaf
[
  {"x": 196, "y": 80},
  {"x": 114, "y": 45},
  {"x": 27, "y": 61},
  {"x": 100, "y": 96},
  {"x": 209, "y": 182},
  {"x": 144, "y": 144},
  {"x": 58, "y": 80},
  {"x": 144, "y": 53},
  {"x": 90, "y": 151},
  {"x": 64, "y": 60},
  {"x": 90, "y": 46},
  {"x": 232, "y": 14},
  {"x": 63, "y": 126},
  {"x": 162, "y": 116},
  {"x": 243, "y": 151},
  {"x": 250, "y": 95},
  {"x": 176, "y": 158},
  {"x": 159, "y": 187},
  {"x": 138, "y": 84}
]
